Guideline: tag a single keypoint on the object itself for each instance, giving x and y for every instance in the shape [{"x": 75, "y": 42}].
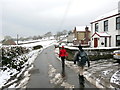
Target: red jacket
[{"x": 63, "y": 53}]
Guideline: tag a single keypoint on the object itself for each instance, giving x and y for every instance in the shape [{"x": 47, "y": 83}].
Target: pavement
[{"x": 101, "y": 73}]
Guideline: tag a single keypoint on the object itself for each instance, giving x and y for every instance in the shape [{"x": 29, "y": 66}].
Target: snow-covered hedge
[{"x": 14, "y": 57}]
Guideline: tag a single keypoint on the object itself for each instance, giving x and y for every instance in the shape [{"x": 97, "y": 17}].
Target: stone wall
[{"x": 94, "y": 54}]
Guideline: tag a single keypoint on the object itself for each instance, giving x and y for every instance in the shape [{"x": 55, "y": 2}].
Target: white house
[
  {"x": 106, "y": 30},
  {"x": 70, "y": 37}
]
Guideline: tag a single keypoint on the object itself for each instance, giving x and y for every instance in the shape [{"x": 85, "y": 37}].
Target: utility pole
[{"x": 17, "y": 39}]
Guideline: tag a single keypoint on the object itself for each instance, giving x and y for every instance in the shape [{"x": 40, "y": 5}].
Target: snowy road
[{"x": 47, "y": 73}]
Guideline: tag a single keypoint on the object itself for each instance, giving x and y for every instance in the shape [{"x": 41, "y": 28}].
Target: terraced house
[
  {"x": 82, "y": 35},
  {"x": 105, "y": 29}
]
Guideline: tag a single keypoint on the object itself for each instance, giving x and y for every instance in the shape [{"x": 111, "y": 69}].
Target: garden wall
[{"x": 93, "y": 53}]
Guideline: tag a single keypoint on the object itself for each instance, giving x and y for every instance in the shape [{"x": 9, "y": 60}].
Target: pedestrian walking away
[
  {"x": 81, "y": 58},
  {"x": 63, "y": 54}
]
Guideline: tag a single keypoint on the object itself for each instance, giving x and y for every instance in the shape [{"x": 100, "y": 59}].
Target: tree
[
  {"x": 59, "y": 34},
  {"x": 7, "y": 37},
  {"x": 64, "y": 32},
  {"x": 34, "y": 37},
  {"x": 70, "y": 32},
  {"x": 48, "y": 34}
]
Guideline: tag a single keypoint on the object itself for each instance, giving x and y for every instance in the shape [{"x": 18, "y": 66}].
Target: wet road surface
[{"x": 39, "y": 74}]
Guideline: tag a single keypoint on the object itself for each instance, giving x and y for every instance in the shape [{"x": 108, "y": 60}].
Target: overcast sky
[{"x": 36, "y": 17}]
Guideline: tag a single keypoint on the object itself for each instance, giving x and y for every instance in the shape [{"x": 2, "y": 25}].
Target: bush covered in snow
[{"x": 14, "y": 57}]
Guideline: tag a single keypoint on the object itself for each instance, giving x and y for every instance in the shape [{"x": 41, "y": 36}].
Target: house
[
  {"x": 8, "y": 42},
  {"x": 106, "y": 30},
  {"x": 70, "y": 37},
  {"x": 82, "y": 35}
]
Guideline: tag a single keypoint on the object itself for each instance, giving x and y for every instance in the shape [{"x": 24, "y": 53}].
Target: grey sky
[{"x": 36, "y": 17}]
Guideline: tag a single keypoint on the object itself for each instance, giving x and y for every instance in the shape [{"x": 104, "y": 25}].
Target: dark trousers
[
  {"x": 81, "y": 81},
  {"x": 63, "y": 62}
]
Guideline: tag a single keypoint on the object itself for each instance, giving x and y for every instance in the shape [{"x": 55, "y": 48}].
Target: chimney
[
  {"x": 86, "y": 34},
  {"x": 119, "y": 7},
  {"x": 86, "y": 28}
]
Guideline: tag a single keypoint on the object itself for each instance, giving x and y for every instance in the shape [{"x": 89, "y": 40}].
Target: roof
[
  {"x": 82, "y": 28},
  {"x": 101, "y": 34},
  {"x": 8, "y": 42},
  {"x": 107, "y": 15}
]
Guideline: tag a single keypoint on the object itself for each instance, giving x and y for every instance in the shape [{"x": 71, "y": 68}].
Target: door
[{"x": 95, "y": 42}]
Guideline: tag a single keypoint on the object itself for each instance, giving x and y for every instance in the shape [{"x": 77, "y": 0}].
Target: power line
[{"x": 65, "y": 14}]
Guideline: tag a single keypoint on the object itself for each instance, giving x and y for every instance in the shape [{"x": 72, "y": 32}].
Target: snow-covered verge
[
  {"x": 101, "y": 73},
  {"x": 13, "y": 57},
  {"x": 10, "y": 76},
  {"x": 115, "y": 79},
  {"x": 8, "y": 79}
]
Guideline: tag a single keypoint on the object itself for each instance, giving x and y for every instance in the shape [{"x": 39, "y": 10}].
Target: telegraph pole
[{"x": 17, "y": 39}]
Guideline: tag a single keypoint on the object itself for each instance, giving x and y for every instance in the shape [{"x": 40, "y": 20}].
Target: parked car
[{"x": 116, "y": 54}]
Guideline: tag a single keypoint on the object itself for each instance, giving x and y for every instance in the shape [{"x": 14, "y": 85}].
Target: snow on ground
[
  {"x": 99, "y": 69},
  {"x": 101, "y": 73},
  {"x": 44, "y": 43},
  {"x": 6, "y": 75},
  {"x": 57, "y": 78},
  {"x": 116, "y": 78},
  {"x": 39, "y": 40}
]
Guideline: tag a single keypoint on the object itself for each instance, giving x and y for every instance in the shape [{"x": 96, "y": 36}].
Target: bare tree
[{"x": 7, "y": 37}]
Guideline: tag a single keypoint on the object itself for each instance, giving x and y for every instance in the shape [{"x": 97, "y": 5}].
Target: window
[
  {"x": 118, "y": 23},
  {"x": 117, "y": 40},
  {"x": 106, "y": 25},
  {"x": 96, "y": 27}
]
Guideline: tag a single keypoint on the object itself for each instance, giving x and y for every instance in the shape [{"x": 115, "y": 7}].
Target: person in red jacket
[{"x": 63, "y": 54}]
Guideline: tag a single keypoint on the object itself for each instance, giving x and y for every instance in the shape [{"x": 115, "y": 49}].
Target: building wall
[
  {"x": 70, "y": 38},
  {"x": 111, "y": 31},
  {"x": 119, "y": 7},
  {"x": 81, "y": 35},
  {"x": 102, "y": 39}
]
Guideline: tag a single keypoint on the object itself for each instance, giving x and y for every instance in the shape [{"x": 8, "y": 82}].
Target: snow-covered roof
[
  {"x": 111, "y": 13},
  {"x": 82, "y": 28},
  {"x": 101, "y": 34},
  {"x": 64, "y": 40},
  {"x": 52, "y": 37}
]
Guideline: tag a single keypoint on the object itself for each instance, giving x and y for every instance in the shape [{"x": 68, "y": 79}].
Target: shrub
[{"x": 13, "y": 57}]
